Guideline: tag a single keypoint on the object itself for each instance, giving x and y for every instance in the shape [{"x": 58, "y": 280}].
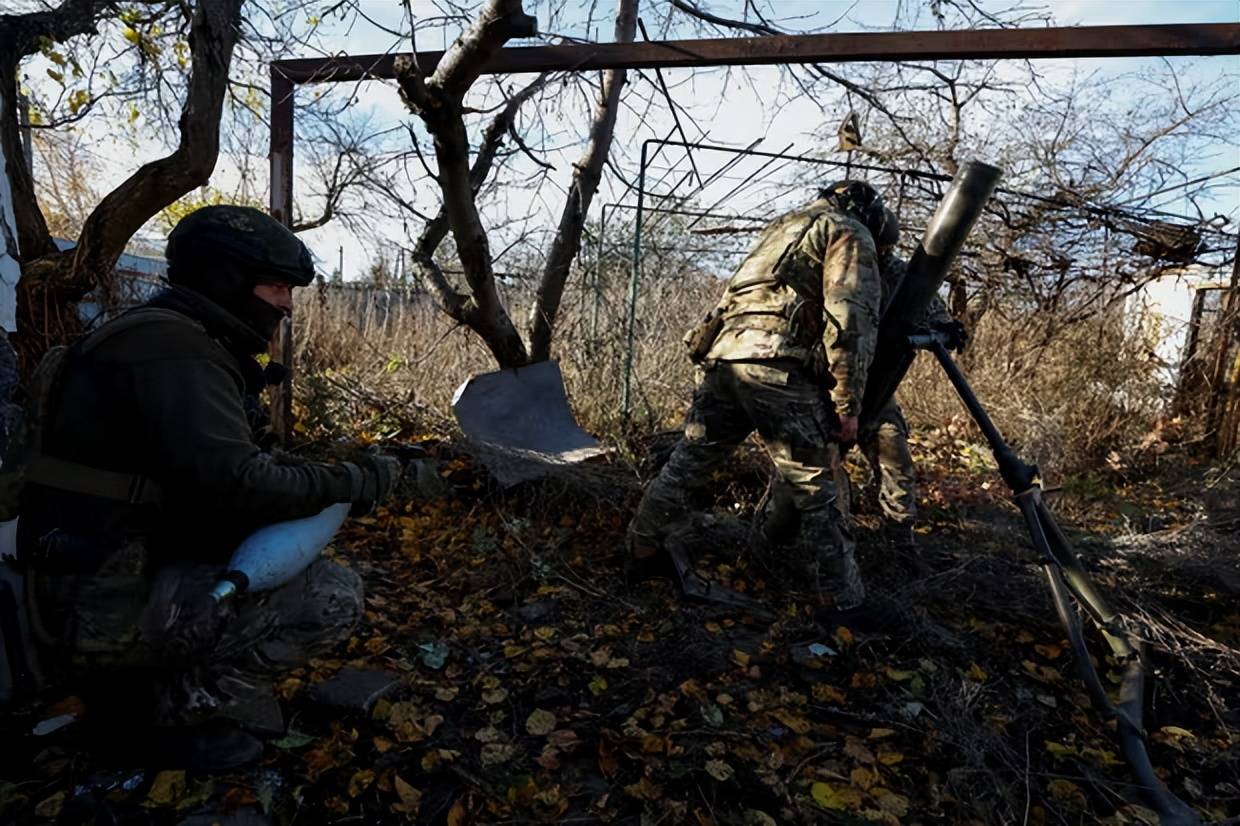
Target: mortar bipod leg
[{"x": 1069, "y": 581}]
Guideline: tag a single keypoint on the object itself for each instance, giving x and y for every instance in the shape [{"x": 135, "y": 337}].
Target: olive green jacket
[
  {"x": 809, "y": 290},
  {"x": 162, "y": 399}
]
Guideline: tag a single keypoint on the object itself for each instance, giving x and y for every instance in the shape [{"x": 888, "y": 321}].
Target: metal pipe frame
[
  {"x": 976, "y": 44},
  {"x": 850, "y": 47}
]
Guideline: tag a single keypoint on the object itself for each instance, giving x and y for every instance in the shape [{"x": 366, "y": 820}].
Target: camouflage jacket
[
  {"x": 810, "y": 291},
  {"x": 892, "y": 268}
]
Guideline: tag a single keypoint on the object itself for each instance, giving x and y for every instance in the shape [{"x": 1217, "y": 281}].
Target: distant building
[
  {"x": 135, "y": 279},
  {"x": 1180, "y": 308}
]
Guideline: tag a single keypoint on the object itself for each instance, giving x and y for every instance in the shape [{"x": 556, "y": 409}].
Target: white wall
[{"x": 10, "y": 269}]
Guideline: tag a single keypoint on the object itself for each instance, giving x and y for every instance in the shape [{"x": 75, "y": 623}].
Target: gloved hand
[
  {"x": 378, "y": 476},
  {"x": 958, "y": 336}
]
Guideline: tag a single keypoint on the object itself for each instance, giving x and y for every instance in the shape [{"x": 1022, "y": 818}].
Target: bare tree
[
  {"x": 438, "y": 101},
  {"x": 53, "y": 280}
]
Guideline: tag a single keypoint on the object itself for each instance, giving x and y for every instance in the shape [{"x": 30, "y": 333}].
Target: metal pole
[
  {"x": 281, "y": 206},
  {"x": 598, "y": 269},
  {"x": 23, "y": 115},
  {"x": 626, "y": 398}
]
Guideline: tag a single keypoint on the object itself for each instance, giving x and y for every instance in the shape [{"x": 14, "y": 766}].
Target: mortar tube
[{"x": 945, "y": 235}]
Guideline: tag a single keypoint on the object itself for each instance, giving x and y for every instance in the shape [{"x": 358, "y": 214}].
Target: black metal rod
[
  {"x": 944, "y": 236},
  {"x": 1068, "y": 580}
]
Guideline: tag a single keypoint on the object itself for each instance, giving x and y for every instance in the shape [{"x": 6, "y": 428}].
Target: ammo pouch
[{"x": 701, "y": 337}]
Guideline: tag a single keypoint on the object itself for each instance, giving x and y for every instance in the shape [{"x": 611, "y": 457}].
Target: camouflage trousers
[
  {"x": 163, "y": 650},
  {"x": 791, "y": 414},
  {"x": 885, "y": 446}
]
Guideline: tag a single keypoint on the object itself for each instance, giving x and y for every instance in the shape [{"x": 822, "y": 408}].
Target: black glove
[
  {"x": 378, "y": 476},
  {"x": 957, "y": 335}
]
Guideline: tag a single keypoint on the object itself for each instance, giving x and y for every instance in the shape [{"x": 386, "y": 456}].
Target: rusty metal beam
[
  {"x": 281, "y": 208},
  {"x": 975, "y": 44}
]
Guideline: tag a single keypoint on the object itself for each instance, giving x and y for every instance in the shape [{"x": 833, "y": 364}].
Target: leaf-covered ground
[{"x": 536, "y": 688}]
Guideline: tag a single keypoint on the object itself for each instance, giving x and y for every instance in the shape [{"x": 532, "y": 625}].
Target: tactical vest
[
  {"x": 772, "y": 307},
  {"x": 25, "y": 460}
]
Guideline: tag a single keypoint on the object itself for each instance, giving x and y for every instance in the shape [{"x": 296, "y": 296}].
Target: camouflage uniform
[
  {"x": 797, "y": 323},
  {"x": 884, "y": 441},
  {"x": 119, "y": 623}
]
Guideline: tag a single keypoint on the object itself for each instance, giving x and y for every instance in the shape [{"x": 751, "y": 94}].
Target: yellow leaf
[
  {"x": 56, "y": 76},
  {"x": 360, "y": 781},
  {"x": 1059, "y": 749},
  {"x": 824, "y": 693},
  {"x": 131, "y": 35},
  {"x": 410, "y": 798},
  {"x": 890, "y": 758},
  {"x": 836, "y": 798},
  {"x": 540, "y": 722},
  {"x": 795, "y": 722},
  {"x": 880, "y": 733},
  {"x": 740, "y": 657},
  {"x": 863, "y": 778},
  {"x": 977, "y": 674},
  {"x": 1176, "y": 731},
  {"x": 166, "y": 790},
  {"x": 891, "y": 802},
  {"x": 598, "y": 685},
  {"x": 1051, "y": 652},
  {"x": 1065, "y": 791},
  {"x": 50, "y": 807}
]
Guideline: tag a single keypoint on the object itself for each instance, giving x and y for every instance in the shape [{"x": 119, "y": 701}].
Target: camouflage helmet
[
  {"x": 861, "y": 200},
  {"x": 257, "y": 245}
]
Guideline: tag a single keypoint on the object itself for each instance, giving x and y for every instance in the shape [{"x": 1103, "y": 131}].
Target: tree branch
[
  {"x": 437, "y": 100},
  {"x": 586, "y": 177}
]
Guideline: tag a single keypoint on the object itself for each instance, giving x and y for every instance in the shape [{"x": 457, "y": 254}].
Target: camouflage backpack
[
  {"x": 26, "y": 438},
  {"x": 24, "y": 459}
]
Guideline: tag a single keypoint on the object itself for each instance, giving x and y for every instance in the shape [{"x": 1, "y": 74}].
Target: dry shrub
[
  {"x": 1081, "y": 399},
  {"x": 390, "y": 361}
]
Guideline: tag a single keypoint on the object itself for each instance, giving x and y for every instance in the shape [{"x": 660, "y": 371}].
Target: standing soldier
[
  {"x": 884, "y": 441},
  {"x": 142, "y": 474},
  {"x": 785, "y": 352}
]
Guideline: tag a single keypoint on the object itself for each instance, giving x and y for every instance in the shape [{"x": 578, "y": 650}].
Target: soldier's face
[{"x": 277, "y": 295}]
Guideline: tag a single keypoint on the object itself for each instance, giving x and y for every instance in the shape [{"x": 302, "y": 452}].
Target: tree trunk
[
  {"x": 589, "y": 169},
  {"x": 437, "y": 100},
  {"x": 53, "y": 282}
]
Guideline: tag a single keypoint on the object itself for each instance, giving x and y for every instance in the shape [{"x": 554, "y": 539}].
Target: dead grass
[{"x": 390, "y": 364}]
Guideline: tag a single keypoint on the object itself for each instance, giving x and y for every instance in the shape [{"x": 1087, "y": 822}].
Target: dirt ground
[{"x": 535, "y": 687}]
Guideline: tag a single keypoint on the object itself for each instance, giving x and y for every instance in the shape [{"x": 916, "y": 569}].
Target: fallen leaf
[
  {"x": 1065, "y": 791},
  {"x": 863, "y": 778},
  {"x": 836, "y": 798},
  {"x": 540, "y": 722},
  {"x": 598, "y": 685},
  {"x": 494, "y": 754},
  {"x": 166, "y": 789},
  {"x": 410, "y": 798},
  {"x": 976, "y": 674},
  {"x": 719, "y": 770},
  {"x": 49, "y": 808},
  {"x": 360, "y": 781}
]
